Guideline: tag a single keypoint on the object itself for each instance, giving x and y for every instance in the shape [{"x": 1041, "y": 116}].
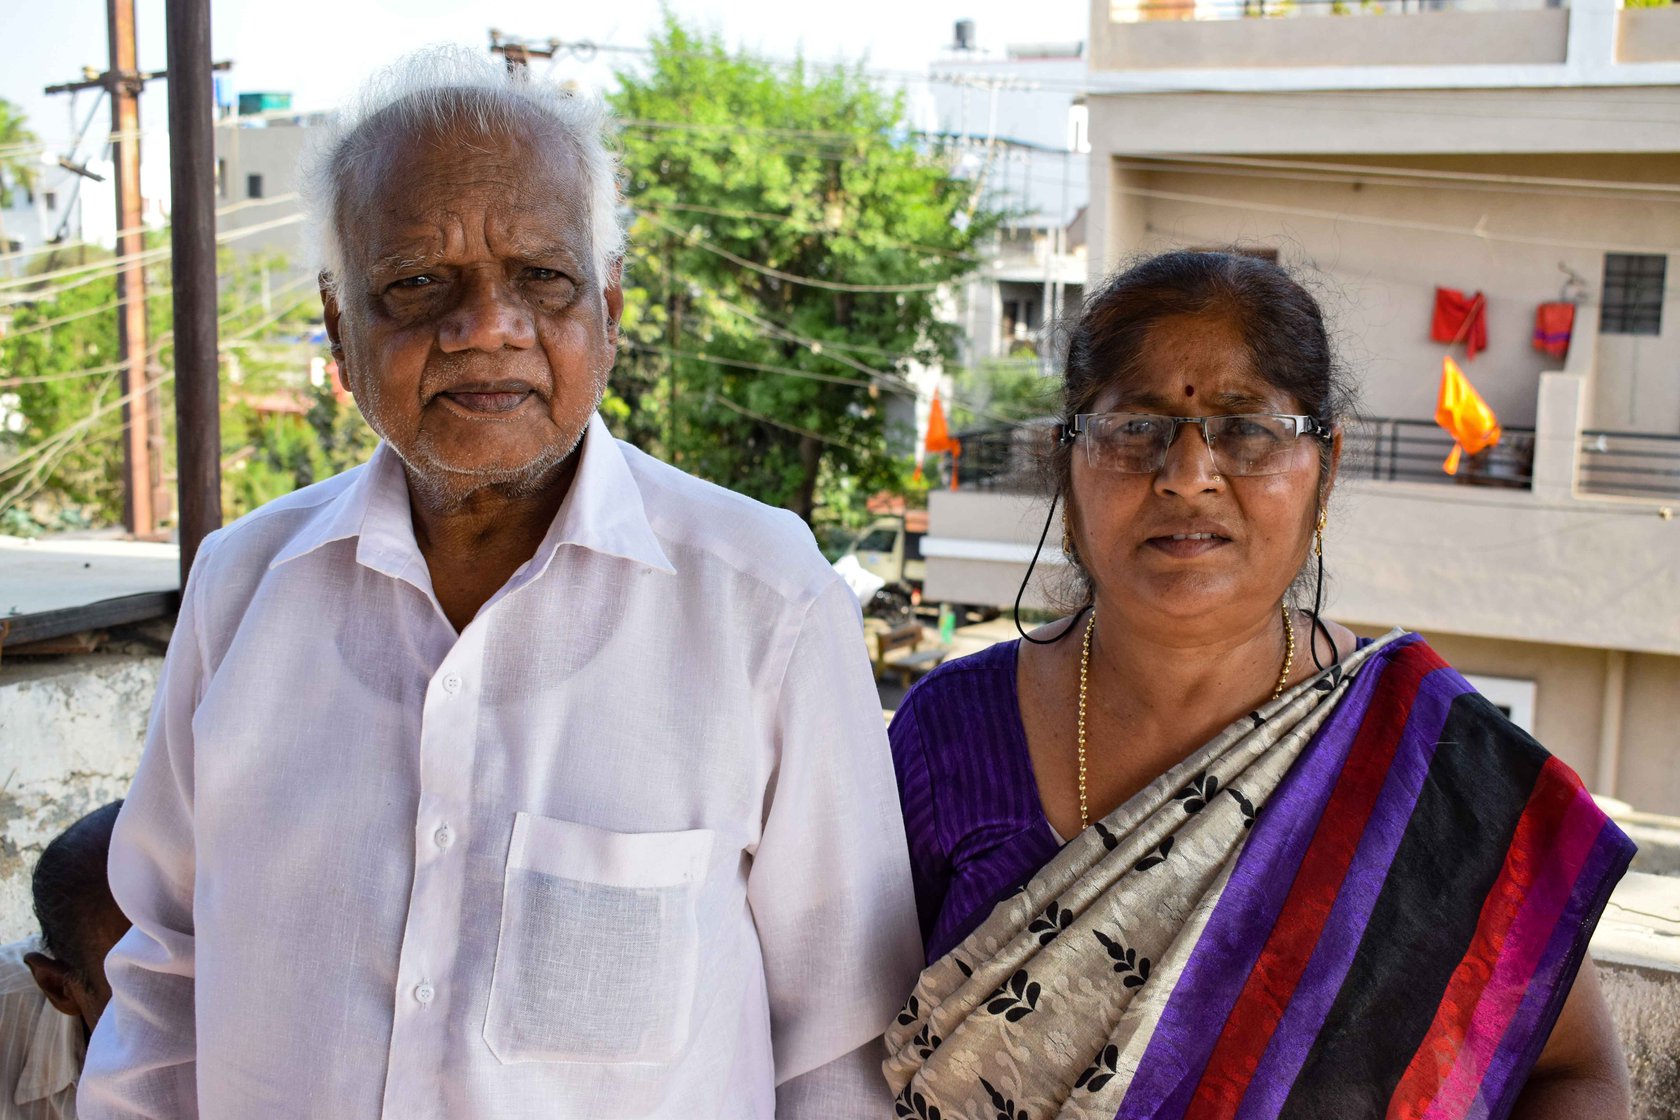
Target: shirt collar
[
  {"x": 603, "y": 512},
  {"x": 55, "y": 1056}
]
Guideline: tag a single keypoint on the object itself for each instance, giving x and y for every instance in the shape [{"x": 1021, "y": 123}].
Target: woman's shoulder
[{"x": 973, "y": 685}]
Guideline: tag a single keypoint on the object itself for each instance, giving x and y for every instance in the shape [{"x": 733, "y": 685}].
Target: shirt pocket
[{"x": 599, "y": 943}]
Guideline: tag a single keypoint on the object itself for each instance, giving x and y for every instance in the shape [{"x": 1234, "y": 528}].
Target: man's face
[{"x": 476, "y": 335}]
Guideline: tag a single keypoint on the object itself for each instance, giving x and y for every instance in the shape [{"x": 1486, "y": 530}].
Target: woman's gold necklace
[{"x": 1084, "y": 680}]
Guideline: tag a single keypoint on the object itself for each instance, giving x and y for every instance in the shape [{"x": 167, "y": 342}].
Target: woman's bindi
[{"x": 1189, "y": 390}]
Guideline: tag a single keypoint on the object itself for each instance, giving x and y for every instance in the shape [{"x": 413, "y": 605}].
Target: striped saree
[{"x": 1367, "y": 899}]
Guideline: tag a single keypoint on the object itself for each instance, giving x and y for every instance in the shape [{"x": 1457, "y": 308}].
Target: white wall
[{"x": 70, "y": 736}]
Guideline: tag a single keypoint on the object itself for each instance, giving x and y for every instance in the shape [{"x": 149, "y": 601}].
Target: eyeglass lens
[{"x": 1242, "y": 445}]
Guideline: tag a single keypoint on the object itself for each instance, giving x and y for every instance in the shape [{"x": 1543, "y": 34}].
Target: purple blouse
[{"x": 972, "y": 813}]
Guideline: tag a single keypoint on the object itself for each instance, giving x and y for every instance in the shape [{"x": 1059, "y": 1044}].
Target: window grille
[{"x": 1633, "y": 293}]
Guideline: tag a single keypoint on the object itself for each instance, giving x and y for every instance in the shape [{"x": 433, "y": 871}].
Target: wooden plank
[{"x": 20, "y": 628}]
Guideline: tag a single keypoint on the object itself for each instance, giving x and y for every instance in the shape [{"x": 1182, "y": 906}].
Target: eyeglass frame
[{"x": 1306, "y": 425}]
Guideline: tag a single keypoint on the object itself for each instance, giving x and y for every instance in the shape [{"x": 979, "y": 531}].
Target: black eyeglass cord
[
  {"x": 1318, "y": 623},
  {"x": 1026, "y": 579}
]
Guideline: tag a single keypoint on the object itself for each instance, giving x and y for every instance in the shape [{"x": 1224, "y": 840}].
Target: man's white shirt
[
  {"x": 40, "y": 1046},
  {"x": 627, "y": 845}
]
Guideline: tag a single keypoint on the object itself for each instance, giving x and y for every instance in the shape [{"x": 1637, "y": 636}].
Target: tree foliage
[
  {"x": 61, "y": 416},
  {"x": 787, "y": 249}
]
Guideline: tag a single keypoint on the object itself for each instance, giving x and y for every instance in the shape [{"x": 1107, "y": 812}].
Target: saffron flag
[
  {"x": 1464, "y": 414},
  {"x": 939, "y": 437}
]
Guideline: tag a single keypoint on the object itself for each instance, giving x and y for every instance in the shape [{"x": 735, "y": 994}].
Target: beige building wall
[
  {"x": 273, "y": 152},
  {"x": 1570, "y": 709},
  {"x": 1375, "y": 248}
]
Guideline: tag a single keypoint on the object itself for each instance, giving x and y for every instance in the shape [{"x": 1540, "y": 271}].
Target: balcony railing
[
  {"x": 1010, "y": 459},
  {"x": 1634, "y": 464},
  {"x": 1395, "y": 450},
  {"x": 1007, "y": 459},
  {"x": 1145, "y": 11}
]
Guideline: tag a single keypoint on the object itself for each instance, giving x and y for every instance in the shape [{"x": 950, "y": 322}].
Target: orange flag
[
  {"x": 1464, "y": 414},
  {"x": 938, "y": 435}
]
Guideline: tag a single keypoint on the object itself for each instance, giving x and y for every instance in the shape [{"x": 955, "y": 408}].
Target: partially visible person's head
[
  {"x": 472, "y": 246},
  {"x": 79, "y": 919},
  {"x": 1199, "y": 334}
]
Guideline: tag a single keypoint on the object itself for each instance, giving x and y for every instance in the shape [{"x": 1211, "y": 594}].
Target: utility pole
[
  {"x": 142, "y": 430},
  {"x": 143, "y": 496},
  {"x": 192, "y": 161},
  {"x": 518, "y": 53}
]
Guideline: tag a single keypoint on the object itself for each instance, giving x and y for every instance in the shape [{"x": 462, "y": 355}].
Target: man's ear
[
  {"x": 54, "y": 980},
  {"x": 614, "y": 294},
  {"x": 330, "y": 314}
]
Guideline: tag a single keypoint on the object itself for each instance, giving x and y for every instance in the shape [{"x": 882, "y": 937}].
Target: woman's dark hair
[
  {"x": 71, "y": 889},
  {"x": 1280, "y": 322}
]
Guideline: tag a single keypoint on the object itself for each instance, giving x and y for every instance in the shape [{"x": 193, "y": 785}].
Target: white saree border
[{"x": 1047, "y": 1008}]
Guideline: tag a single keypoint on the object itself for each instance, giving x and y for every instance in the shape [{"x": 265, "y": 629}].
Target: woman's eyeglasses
[{"x": 1242, "y": 445}]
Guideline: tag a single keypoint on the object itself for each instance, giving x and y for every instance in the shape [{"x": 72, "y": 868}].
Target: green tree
[
  {"x": 19, "y": 158},
  {"x": 62, "y": 465},
  {"x": 787, "y": 249}
]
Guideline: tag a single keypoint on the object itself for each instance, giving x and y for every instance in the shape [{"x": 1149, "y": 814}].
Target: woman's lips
[{"x": 1185, "y": 546}]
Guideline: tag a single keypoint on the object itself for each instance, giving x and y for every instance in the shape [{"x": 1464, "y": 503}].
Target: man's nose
[
  {"x": 1189, "y": 467},
  {"x": 487, "y": 315}
]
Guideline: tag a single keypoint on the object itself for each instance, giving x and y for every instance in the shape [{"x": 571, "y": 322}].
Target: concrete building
[
  {"x": 1016, "y": 121},
  {"x": 258, "y": 209},
  {"x": 1527, "y": 152}
]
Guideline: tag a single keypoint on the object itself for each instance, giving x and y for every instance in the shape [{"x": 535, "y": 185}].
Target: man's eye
[
  {"x": 545, "y": 275},
  {"x": 409, "y": 283}
]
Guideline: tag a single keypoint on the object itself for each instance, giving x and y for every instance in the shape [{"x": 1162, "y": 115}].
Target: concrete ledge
[{"x": 1533, "y": 37}]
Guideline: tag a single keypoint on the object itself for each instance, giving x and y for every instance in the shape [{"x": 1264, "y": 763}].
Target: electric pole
[
  {"x": 144, "y": 499},
  {"x": 142, "y": 427}
]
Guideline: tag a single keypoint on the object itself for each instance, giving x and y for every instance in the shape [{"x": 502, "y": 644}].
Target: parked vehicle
[{"x": 891, "y": 549}]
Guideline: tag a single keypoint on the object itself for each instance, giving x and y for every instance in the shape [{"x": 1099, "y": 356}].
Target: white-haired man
[{"x": 513, "y": 774}]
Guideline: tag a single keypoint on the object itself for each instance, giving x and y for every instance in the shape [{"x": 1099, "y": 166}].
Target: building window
[
  {"x": 50, "y": 198},
  {"x": 1515, "y": 698},
  {"x": 221, "y": 176},
  {"x": 253, "y": 186},
  {"x": 1633, "y": 293}
]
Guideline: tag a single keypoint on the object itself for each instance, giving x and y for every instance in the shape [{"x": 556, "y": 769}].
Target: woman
[{"x": 1302, "y": 875}]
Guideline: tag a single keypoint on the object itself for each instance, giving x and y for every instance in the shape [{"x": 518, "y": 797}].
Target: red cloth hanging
[
  {"x": 1553, "y": 324},
  {"x": 1460, "y": 318}
]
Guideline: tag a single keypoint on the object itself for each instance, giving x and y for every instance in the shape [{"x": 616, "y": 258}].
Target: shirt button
[
  {"x": 443, "y": 837},
  {"x": 424, "y": 993},
  {"x": 452, "y": 683}
]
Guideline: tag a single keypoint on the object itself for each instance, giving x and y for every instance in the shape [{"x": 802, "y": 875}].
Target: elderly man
[
  {"x": 52, "y": 987},
  {"x": 513, "y": 774}
]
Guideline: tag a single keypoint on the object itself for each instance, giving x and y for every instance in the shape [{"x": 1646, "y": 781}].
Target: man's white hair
[{"x": 443, "y": 86}]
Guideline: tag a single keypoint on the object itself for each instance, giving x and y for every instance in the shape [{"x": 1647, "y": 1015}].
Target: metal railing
[
  {"x": 1006, "y": 459},
  {"x": 1009, "y": 458},
  {"x": 1632, "y": 464},
  {"x": 1396, "y": 450},
  {"x": 1146, "y": 11}
]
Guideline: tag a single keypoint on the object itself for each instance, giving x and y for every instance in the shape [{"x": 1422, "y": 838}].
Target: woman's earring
[
  {"x": 1318, "y": 535},
  {"x": 1067, "y": 536}
]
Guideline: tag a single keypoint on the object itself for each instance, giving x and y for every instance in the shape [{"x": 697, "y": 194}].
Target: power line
[{"x": 694, "y": 239}]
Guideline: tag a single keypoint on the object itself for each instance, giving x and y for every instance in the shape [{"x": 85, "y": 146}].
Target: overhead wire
[{"x": 692, "y": 238}]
